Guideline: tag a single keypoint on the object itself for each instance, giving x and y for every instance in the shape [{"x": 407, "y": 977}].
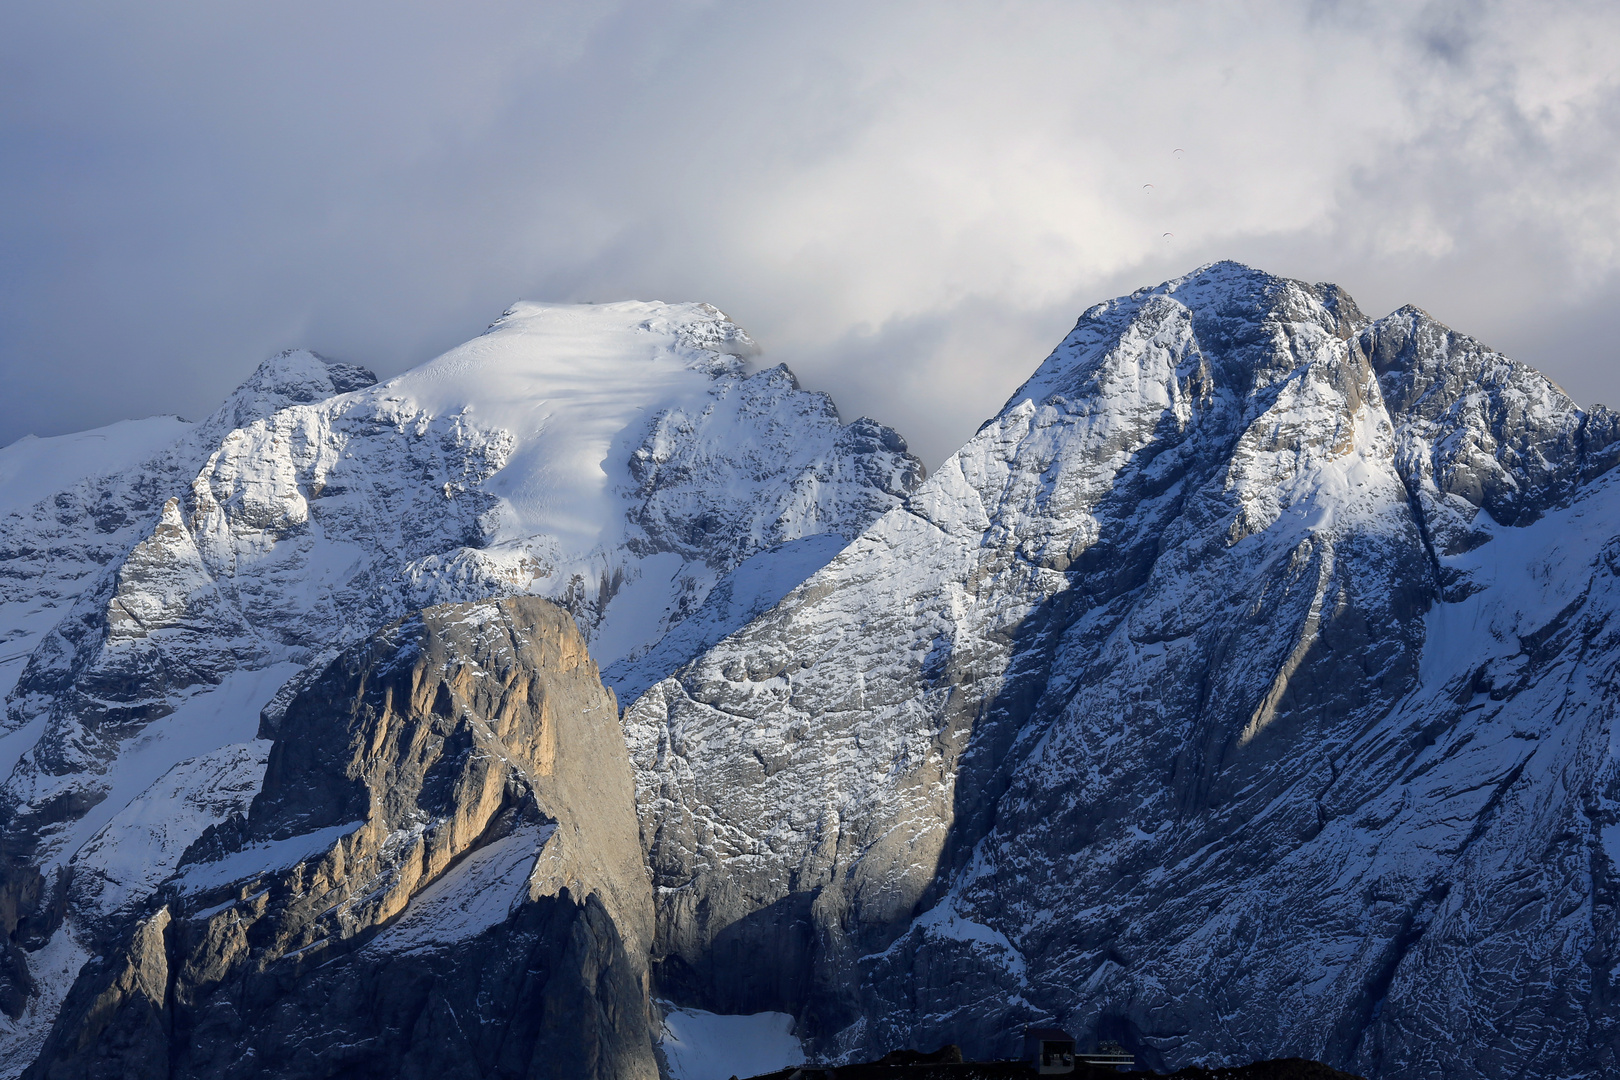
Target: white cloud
[{"x": 907, "y": 202}]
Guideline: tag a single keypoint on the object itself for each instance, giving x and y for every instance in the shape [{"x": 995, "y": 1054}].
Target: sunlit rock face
[
  {"x": 1243, "y": 689},
  {"x": 441, "y": 876}
]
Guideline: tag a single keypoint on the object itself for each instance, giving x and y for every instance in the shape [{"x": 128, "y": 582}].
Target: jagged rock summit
[{"x": 1244, "y": 689}]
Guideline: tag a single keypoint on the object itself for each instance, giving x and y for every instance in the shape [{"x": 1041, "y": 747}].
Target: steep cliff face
[
  {"x": 618, "y": 458},
  {"x": 441, "y": 876},
  {"x": 1206, "y": 699}
]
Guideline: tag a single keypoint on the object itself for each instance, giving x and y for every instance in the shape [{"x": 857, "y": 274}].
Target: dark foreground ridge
[{"x": 947, "y": 1064}]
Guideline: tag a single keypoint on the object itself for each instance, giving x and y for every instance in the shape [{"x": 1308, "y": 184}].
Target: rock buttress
[{"x": 441, "y": 876}]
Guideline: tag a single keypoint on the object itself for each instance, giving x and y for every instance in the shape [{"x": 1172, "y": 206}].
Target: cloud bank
[{"x": 908, "y": 203}]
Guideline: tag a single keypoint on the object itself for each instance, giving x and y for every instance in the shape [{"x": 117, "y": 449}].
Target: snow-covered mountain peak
[
  {"x": 604, "y": 455},
  {"x": 1154, "y": 630},
  {"x": 573, "y": 387},
  {"x": 1479, "y": 430},
  {"x": 694, "y": 324},
  {"x": 290, "y": 377},
  {"x": 1251, "y": 319},
  {"x": 633, "y": 346}
]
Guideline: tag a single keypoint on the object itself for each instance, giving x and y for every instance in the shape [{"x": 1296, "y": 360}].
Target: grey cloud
[{"x": 908, "y": 204}]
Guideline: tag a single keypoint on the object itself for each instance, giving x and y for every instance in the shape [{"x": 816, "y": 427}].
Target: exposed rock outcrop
[{"x": 440, "y": 877}]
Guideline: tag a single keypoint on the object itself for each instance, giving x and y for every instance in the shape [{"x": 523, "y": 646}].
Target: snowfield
[{"x": 700, "y": 1045}]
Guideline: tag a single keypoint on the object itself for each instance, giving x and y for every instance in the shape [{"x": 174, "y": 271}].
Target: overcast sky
[{"x": 907, "y": 203}]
